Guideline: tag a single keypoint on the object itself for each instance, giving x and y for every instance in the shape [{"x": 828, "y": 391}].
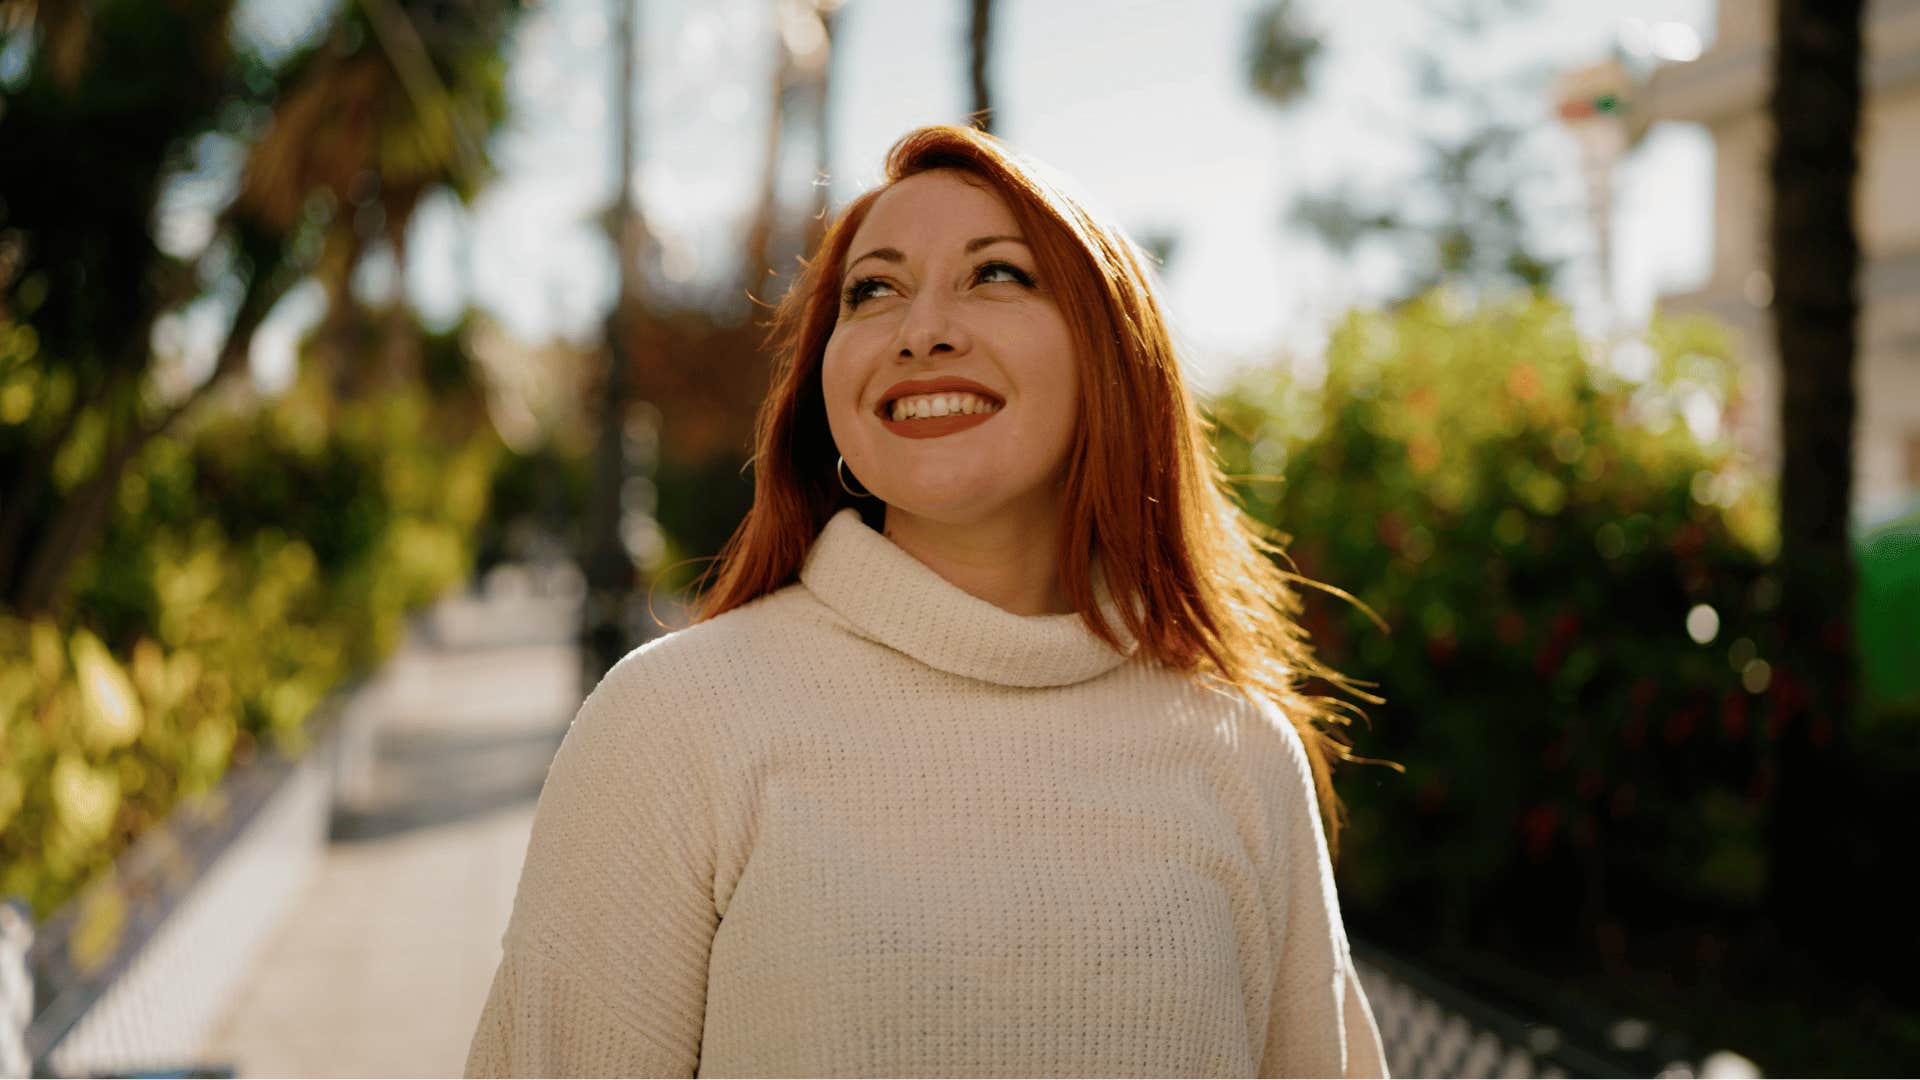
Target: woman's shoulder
[
  {"x": 711, "y": 659},
  {"x": 690, "y": 691},
  {"x": 1261, "y": 730}
]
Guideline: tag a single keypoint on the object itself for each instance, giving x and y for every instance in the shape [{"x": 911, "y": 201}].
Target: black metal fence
[{"x": 1430, "y": 1027}]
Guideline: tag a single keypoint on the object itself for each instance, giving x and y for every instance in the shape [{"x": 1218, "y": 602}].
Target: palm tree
[
  {"x": 393, "y": 101},
  {"x": 800, "y": 82},
  {"x": 609, "y": 567},
  {"x": 1280, "y": 54},
  {"x": 376, "y": 129},
  {"x": 757, "y": 252},
  {"x": 83, "y": 140},
  {"x": 1478, "y": 235},
  {"x": 823, "y": 132},
  {"x": 1815, "y": 108}
]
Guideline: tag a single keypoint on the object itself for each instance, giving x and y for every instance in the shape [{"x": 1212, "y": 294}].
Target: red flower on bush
[
  {"x": 1733, "y": 714},
  {"x": 1687, "y": 542},
  {"x": 1537, "y": 825},
  {"x": 1393, "y": 531},
  {"x": 1788, "y": 697}
]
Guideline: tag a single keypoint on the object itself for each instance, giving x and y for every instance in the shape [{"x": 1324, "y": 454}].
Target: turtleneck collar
[{"x": 893, "y": 598}]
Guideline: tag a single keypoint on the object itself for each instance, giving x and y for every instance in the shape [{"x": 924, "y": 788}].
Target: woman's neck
[{"x": 1006, "y": 559}]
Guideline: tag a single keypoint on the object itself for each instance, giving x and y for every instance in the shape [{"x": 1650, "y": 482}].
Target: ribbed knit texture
[{"x": 871, "y": 825}]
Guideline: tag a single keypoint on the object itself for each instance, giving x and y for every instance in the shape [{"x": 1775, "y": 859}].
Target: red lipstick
[
  {"x": 945, "y": 384},
  {"x": 932, "y": 427}
]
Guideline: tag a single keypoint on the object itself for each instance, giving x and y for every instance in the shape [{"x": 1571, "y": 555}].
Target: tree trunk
[
  {"x": 823, "y": 140},
  {"x": 609, "y": 567},
  {"x": 36, "y": 570},
  {"x": 30, "y": 483},
  {"x": 1815, "y": 109},
  {"x": 83, "y": 515},
  {"x": 757, "y": 258},
  {"x": 979, "y": 49}
]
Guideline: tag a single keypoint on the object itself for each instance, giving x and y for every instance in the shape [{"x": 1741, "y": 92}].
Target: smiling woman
[
  {"x": 989, "y": 753},
  {"x": 950, "y": 300}
]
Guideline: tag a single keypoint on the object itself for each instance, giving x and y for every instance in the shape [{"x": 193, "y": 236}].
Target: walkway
[{"x": 383, "y": 968}]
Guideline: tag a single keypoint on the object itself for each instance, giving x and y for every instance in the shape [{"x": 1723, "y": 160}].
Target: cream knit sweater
[{"x": 873, "y": 825}]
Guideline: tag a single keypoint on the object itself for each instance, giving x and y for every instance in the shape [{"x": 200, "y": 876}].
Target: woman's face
[{"x": 950, "y": 379}]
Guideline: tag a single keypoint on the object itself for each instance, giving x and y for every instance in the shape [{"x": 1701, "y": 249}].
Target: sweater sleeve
[
  {"x": 1320, "y": 1023},
  {"x": 605, "y": 956},
  {"x": 1365, "y": 1054}
]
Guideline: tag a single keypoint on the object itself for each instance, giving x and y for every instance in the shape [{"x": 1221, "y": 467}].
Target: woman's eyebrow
[
  {"x": 893, "y": 255},
  {"x": 979, "y": 242}
]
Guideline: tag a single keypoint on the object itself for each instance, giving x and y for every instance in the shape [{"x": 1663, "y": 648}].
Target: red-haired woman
[{"x": 988, "y": 755}]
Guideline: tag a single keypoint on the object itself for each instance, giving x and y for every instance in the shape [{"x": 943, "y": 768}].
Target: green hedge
[
  {"x": 1537, "y": 532},
  {"x": 254, "y": 565},
  {"x": 1889, "y": 614},
  {"x": 1579, "y": 592}
]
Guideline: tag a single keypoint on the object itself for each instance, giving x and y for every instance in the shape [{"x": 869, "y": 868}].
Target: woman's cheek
[{"x": 840, "y": 386}]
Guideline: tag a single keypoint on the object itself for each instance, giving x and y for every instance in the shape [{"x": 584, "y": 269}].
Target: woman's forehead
[{"x": 934, "y": 207}]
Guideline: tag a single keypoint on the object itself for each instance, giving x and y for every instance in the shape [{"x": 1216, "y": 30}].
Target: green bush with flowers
[
  {"x": 253, "y": 566},
  {"x": 1573, "y": 581},
  {"x": 1574, "y": 571}
]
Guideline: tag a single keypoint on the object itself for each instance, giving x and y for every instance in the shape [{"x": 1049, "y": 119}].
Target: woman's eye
[
  {"x": 861, "y": 291},
  {"x": 1012, "y": 272}
]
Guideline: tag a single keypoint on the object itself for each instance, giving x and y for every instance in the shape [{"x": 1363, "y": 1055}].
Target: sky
[{"x": 1143, "y": 105}]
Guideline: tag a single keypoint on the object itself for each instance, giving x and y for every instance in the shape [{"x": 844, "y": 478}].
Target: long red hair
[{"x": 1143, "y": 488}]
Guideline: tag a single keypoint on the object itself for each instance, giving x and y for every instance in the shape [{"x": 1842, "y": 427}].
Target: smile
[
  {"x": 932, "y": 427},
  {"x": 940, "y": 407}
]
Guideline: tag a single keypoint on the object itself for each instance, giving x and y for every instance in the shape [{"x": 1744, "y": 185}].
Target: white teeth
[{"x": 931, "y": 405}]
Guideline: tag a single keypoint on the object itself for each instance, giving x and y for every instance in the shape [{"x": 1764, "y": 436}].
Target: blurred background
[{"x": 373, "y": 373}]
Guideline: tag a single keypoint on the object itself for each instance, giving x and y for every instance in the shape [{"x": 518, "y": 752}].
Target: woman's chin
[{"x": 962, "y": 508}]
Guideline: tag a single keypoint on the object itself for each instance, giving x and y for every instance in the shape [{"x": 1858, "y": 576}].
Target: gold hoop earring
[{"x": 840, "y": 471}]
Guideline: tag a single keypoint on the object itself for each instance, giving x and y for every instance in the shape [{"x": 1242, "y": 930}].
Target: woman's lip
[
  {"x": 936, "y": 426},
  {"x": 884, "y": 407},
  {"x": 943, "y": 385}
]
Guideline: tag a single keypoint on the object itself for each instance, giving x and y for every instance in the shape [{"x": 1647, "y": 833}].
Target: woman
[{"x": 987, "y": 755}]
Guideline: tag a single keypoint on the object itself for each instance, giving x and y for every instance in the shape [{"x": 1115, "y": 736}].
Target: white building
[{"x": 1726, "y": 91}]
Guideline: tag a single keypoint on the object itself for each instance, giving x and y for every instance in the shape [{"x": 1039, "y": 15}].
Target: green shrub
[
  {"x": 254, "y": 565},
  {"x": 1538, "y": 533}
]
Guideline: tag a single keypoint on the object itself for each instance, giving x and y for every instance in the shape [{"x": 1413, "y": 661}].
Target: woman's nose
[{"x": 931, "y": 326}]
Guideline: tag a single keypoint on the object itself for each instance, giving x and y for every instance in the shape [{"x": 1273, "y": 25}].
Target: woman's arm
[
  {"x": 1365, "y": 1054},
  {"x": 605, "y": 958},
  {"x": 1320, "y": 1023}
]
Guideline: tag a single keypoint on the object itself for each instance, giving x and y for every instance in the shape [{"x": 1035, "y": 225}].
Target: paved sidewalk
[{"x": 383, "y": 968}]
